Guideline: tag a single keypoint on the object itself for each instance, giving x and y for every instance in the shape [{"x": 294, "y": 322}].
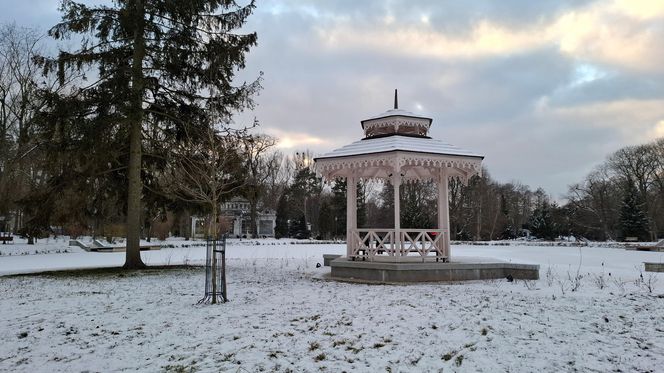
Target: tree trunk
[
  {"x": 212, "y": 234},
  {"x": 134, "y": 190},
  {"x": 253, "y": 215}
]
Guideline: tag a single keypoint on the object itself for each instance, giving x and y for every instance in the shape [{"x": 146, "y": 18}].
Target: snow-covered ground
[
  {"x": 590, "y": 311},
  {"x": 55, "y": 254}
]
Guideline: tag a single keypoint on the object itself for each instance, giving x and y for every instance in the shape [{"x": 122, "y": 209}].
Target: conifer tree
[
  {"x": 281, "y": 222},
  {"x": 338, "y": 206},
  {"x": 633, "y": 220},
  {"x": 325, "y": 220},
  {"x": 386, "y": 197},
  {"x": 542, "y": 224},
  {"x": 304, "y": 194},
  {"x": 159, "y": 67}
]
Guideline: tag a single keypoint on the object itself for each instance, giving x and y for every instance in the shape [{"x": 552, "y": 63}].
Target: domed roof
[
  {"x": 398, "y": 140},
  {"x": 396, "y": 122},
  {"x": 393, "y": 112}
]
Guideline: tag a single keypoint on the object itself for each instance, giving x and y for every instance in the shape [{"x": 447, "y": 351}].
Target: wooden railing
[{"x": 404, "y": 245}]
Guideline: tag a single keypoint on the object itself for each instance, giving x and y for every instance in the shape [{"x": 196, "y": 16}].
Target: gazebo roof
[
  {"x": 395, "y": 142},
  {"x": 394, "y": 113},
  {"x": 398, "y": 140}
]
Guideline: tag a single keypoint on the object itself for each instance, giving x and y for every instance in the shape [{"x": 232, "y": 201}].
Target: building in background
[{"x": 236, "y": 213}]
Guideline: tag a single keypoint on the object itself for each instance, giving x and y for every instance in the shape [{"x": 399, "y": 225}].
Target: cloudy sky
[{"x": 544, "y": 89}]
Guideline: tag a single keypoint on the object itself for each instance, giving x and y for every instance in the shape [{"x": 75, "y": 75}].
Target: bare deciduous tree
[
  {"x": 260, "y": 167},
  {"x": 205, "y": 169}
]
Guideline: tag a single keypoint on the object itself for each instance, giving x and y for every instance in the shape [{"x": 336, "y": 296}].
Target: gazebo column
[
  {"x": 444, "y": 210},
  {"x": 351, "y": 214},
  {"x": 396, "y": 182}
]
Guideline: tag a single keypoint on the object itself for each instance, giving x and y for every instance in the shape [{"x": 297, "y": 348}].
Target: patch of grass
[
  {"x": 228, "y": 356},
  {"x": 378, "y": 345},
  {"x": 179, "y": 368},
  {"x": 314, "y": 346},
  {"x": 320, "y": 357},
  {"x": 339, "y": 342},
  {"x": 415, "y": 360},
  {"x": 448, "y": 356},
  {"x": 458, "y": 360},
  {"x": 274, "y": 354},
  {"x": 110, "y": 272},
  {"x": 314, "y": 317},
  {"x": 354, "y": 349}
]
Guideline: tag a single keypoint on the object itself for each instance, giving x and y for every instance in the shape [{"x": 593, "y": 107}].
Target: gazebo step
[
  {"x": 654, "y": 267},
  {"x": 383, "y": 272},
  {"x": 327, "y": 258}
]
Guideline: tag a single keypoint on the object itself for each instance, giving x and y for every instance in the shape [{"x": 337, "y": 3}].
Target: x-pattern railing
[
  {"x": 372, "y": 242},
  {"x": 424, "y": 243}
]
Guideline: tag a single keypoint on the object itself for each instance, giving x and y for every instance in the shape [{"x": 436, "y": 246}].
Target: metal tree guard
[{"x": 215, "y": 271}]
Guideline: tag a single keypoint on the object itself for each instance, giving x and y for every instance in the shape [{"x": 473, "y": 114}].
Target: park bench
[{"x": 4, "y": 237}]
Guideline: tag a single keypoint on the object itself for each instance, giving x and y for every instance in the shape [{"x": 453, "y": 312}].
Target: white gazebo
[{"x": 397, "y": 147}]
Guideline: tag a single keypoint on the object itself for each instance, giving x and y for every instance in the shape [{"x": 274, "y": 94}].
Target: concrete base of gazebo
[{"x": 460, "y": 269}]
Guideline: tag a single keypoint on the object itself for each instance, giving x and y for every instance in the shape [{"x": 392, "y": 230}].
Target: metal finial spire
[{"x": 396, "y": 100}]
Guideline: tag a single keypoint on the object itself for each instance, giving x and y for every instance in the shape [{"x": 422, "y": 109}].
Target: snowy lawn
[
  {"x": 52, "y": 255},
  {"x": 580, "y": 316}
]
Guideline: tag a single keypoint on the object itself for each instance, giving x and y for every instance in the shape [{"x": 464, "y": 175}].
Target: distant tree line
[
  {"x": 623, "y": 198},
  {"x": 66, "y": 150}
]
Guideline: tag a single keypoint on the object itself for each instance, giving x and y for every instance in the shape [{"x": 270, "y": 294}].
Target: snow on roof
[
  {"x": 395, "y": 112},
  {"x": 398, "y": 142}
]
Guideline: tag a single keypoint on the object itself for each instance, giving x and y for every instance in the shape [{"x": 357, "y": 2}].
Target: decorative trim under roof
[{"x": 411, "y": 166}]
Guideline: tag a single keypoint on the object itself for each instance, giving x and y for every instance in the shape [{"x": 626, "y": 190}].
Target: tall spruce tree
[
  {"x": 304, "y": 195},
  {"x": 161, "y": 66},
  {"x": 338, "y": 207},
  {"x": 633, "y": 220},
  {"x": 326, "y": 220},
  {"x": 281, "y": 222},
  {"x": 542, "y": 223},
  {"x": 386, "y": 197}
]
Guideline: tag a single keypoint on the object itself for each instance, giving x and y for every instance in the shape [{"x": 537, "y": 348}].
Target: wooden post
[
  {"x": 396, "y": 182},
  {"x": 351, "y": 213},
  {"x": 444, "y": 210}
]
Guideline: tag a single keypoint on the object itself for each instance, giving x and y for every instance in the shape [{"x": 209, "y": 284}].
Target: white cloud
[
  {"x": 296, "y": 140},
  {"x": 636, "y": 121},
  {"x": 619, "y": 32},
  {"x": 658, "y": 130}
]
